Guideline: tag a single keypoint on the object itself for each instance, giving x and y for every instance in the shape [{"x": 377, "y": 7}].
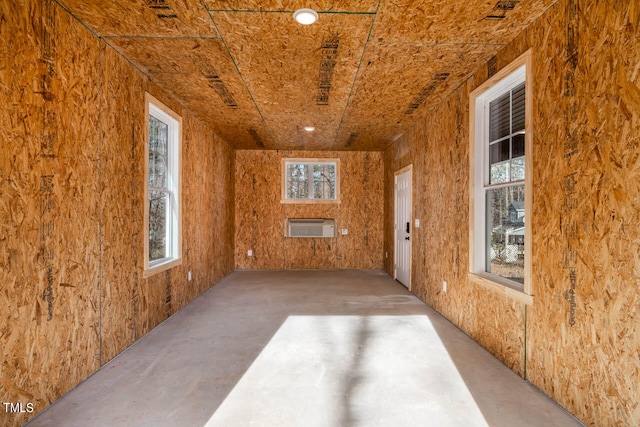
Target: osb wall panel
[
  {"x": 582, "y": 345},
  {"x": 72, "y": 295},
  {"x": 121, "y": 192},
  {"x": 71, "y": 186},
  {"x": 261, "y": 218},
  {"x": 48, "y": 272},
  {"x": 207, "y": 227},
  {"x": 208, "y": 207}
]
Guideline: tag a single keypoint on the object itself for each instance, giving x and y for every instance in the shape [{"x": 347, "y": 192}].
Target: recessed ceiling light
[
  {"x": 305, "y": 16},
  {"x": 309, "y": 128}
]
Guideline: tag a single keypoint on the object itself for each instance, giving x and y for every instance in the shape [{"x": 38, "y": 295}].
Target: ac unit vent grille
[{"x": 311, "y": 227}]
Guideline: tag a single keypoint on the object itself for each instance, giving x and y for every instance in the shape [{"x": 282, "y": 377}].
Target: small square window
[{"x": 310, "y": 180}]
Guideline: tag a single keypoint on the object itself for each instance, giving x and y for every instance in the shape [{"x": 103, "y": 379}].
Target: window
[
  {"x": 162, "y": 188},
  {"x": 310, "y": 180},
  {"x": 500, "y": 206}
]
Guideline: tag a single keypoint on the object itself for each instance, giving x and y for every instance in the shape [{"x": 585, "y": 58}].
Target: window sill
[
  {"x": 506, "y": 290},
  {"x": 161, "y": 267},
  {"x": 309, "y": 201}
]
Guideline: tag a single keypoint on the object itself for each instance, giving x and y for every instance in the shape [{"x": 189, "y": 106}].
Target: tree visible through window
[
  {"x": 159, "y": 193},
  {"x": 310, "y": 180},
  {"x": 162, "y": 186}
]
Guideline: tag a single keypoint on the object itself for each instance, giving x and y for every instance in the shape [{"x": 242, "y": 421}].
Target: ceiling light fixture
[
  {"x": 305, "y": 16},
  {"x": 309, "y": 128}
]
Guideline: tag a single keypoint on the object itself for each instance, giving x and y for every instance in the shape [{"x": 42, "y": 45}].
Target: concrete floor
[{"x": 305, "y": 348}]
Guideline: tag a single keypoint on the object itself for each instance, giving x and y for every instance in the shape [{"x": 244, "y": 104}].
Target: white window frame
[
  {"x": 514, "y": 74},
  {"x": 310, "y": 162},
  {"x": 157, "y": 109}
]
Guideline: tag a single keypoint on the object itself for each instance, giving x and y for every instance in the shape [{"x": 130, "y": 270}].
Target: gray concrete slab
[{"x": 305, "y": 348}]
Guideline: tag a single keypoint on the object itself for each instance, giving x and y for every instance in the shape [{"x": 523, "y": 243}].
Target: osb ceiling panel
[
  {"x": 359, "y": 136},
  {"x": 242, "y": 127},
  {"x": 290, "y": 129},
  {"x": 202, "y": 73},
  {"x": 165, "y": 18},
  {"x": 187, "y": 55},
  {"x": 398, "y": 82},
  {"x": 468, "y": 21},
  {"x": 297, "y": 74},
  {"x": 362, "y": 75},
  {"x": 291, "y": 5}
]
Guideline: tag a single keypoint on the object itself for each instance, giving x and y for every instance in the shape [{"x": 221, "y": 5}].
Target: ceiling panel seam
[
  {"x": 133, "y": 64},
  {"x": 446, "y": 95},
  {"x": 389, "y": 71},
  {"x": 235, "y": 64},
  {"x": 321, "y": 12},
  {"x": 105, "y": 40},
  {"x": 66, "y": 9},
  {"x": 355, "y": 76},
  {"x": 465, "y": 80}
]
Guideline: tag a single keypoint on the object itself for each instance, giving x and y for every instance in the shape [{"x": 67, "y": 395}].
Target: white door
[{"x": 403, "y": 227}]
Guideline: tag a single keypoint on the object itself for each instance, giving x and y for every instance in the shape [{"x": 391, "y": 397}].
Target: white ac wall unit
[{"x": 311, "y": 227}]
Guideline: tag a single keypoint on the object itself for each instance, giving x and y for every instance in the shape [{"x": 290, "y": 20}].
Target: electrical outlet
[
  {"x": 417, "y": 222},
  {"x": 444, "y": 285},
  {"x": 345, "y": 231},
  {"x": 250, "y": 252},
  {"x": 189, "y": 276}
]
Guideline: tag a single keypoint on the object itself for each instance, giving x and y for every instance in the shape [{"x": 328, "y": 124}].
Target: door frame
[{"x": 408, "y": 168}]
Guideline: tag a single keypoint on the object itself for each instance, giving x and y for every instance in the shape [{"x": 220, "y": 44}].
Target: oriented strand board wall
[
  {"x": 71, "y": 185},
  {"x": 437, "y": 149},
  {"x": 120, "y": 216},
  {"x": 582, "y": 346},
  {"x": 49, "y": 268},
  {"x": 260, "y": 217},
  {"x": 584, "y": 333}
]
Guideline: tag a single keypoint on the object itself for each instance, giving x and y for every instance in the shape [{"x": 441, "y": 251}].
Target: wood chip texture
[
  {"x": 578, "y": 342},
  {"x": 72, "y": 294},
  {"x": 261, "y": 217}
]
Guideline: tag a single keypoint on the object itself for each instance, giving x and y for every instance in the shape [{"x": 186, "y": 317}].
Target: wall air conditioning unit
[{"x": 311, "y": 227}]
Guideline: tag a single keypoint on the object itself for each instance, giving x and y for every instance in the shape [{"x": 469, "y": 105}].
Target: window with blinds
[
  {"x": 500, "y": 234},
  {"x": 504, "y": 194},
  {"x": 506, "y": 137}
]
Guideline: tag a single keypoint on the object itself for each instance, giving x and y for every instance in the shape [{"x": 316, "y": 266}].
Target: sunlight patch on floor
[{"x": 351, "y": 371}]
